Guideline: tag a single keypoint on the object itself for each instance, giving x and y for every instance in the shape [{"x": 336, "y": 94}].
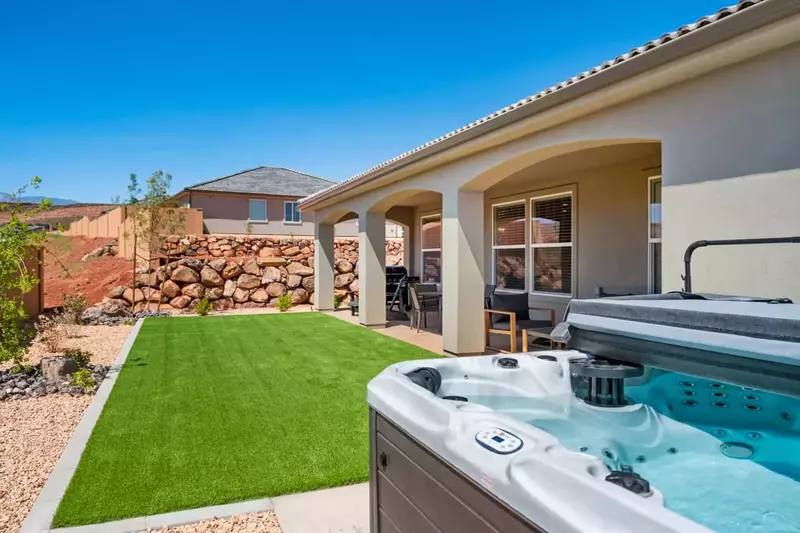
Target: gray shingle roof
[
  {"x": 703, "y": 22},
  {"x": 275, "y": 181}
]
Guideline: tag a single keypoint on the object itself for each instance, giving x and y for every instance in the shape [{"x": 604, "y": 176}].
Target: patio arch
[{"x": 525, "y": 159}]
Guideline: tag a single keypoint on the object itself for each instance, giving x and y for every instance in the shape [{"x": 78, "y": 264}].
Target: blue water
[{"x": 675, "y": 440}]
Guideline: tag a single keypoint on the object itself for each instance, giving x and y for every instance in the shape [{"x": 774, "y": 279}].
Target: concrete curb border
[{"x": 44, "y": 508}]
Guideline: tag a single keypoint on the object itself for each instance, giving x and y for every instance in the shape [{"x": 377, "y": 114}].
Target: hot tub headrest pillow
[{"x": 427, "y": 378}]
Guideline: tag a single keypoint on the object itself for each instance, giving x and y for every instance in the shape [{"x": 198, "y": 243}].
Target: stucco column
[
  {"x": 371, "y": 273},
  {"x": 462, "y": 272},
  {"x": 323, "y": 266}
]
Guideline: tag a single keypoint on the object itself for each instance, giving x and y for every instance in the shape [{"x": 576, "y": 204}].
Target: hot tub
[{"x": 565, "y": 441}]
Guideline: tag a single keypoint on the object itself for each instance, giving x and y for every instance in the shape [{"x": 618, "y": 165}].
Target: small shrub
[
  {"x": 284, "y": 303},
  {"x": 81, "y": 357},
  {"x": 82, "y": 378},
  {"x": 74, "y": 305},
  {"x": 203, "y": 307},
  {"x": 337, "y": 300},
  {"x": 52, "y": 332}
]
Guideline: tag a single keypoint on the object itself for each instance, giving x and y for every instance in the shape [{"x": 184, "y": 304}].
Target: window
[
  {"x": 258, "y": 210},
  {"x": 654, "y": 235},
  {"x": 551, "y": 244},
  {"x": 508, "y": 244},
  {"x": 432, "y": 249},
  {"x": 291, "y": 214}
]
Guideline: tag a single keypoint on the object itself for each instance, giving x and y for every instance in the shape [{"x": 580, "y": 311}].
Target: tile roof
[
  {"x": 664, "y": 39},
  {"x": 275, "y": 181}
]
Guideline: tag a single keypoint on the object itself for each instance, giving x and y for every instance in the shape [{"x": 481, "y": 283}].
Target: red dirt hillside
[{"x": 64, "y": 272}]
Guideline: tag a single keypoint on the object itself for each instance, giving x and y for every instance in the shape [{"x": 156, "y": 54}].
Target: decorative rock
[
  {"x": 195, "y": 290},
  {"x": 217, "y": 264},
  {"x": 170, "y": 289},
  {"x": 276, "y": 289},
  {"x": 148, "y": 280},
  {"x": 211, "y": 278},
  {"x": 241, "y": 295},
  {"x": 299, "y": 296},
  {"x": 271, "y": 261},
  {"x": 55, "y": 369},
  {"x": 180, "y": 302},
  {"x": 293, "y": 281},
  {"x": 116, "y": 292},
  {"x": 185, "y": 274},
  {"x": 344, "y": 266},
  {"x": 308, "y": 283},
  {"x": 291, "y": 251},
  {"x": 299, "y": 269},
  {"x": 260, "y": 296},
  {"x": 231, "y": 271},
  {"x": 269, "y": 252},
  {"x": 343, "y": 280},
  {"x": 194, "y": 264},
  {"x": 271, "y": 274},
  {"x": 223, "y": 304},
  {"x": 230, "y": 288},
  {"x": 153, "y": 296},
  {"x": 133, "y": 296},
  {"x": 215, "y": 293},
  {"x": 251, "y": 267},
  {"x": 354, "y": 286},
  {"x": 248, "y": 281}
]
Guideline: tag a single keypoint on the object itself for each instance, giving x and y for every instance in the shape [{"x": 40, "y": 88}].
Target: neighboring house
[
  {"x": 600, "y": 181},
  {"x": 259, "y": 201}
]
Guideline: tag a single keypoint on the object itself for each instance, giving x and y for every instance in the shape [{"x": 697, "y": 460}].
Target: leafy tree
[
  {"x": 133, "y": 189},
  {"x": 155, "y": 216},
  {"x": 19, "y": 242}
]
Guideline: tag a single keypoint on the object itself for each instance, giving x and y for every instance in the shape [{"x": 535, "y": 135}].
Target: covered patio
[{"x": 559, "y": 195}]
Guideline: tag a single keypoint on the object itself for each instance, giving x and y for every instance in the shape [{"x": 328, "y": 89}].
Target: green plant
[
  {"x": 284, "y": 303},
  {"x": 202, "y": 307},
  {"x": 74, "y": 305},
  {"x": 337, "y": 300},
  {"x": 19, "y": 246},
  {"x": 82, "y": 378},
  {"x": 82, "y": 357}
]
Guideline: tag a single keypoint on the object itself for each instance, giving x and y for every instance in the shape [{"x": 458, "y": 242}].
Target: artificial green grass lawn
[{"x": 213, "y": 410}]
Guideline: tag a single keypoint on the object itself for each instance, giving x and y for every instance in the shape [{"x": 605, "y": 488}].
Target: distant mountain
[{"x": 4, "y": 197}]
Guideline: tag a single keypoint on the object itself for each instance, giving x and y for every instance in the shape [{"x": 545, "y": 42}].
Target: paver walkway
[{"x": 339, "y": 510}]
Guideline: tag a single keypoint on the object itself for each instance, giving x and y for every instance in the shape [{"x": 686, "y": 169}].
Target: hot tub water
[{"x": 724, "y": 456}]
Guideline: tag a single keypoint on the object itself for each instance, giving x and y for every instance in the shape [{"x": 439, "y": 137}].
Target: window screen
[{"x": 258, "y": 210}]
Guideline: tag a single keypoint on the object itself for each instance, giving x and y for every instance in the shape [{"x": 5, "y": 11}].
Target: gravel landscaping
[
  {"x": 249, "y": 523},
  {"x": 34, "y": 430},
  {"x": 32, "y": 434}
]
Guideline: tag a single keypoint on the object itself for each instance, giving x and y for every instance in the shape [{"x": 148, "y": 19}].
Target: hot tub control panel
[{"x": 498, "y": 441}]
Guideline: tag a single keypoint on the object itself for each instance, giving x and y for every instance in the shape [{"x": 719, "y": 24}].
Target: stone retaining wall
[{"x": 243, "y": 272}]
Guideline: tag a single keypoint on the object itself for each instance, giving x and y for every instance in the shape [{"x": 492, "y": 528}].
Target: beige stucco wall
[{"x": 761, "y": 205}]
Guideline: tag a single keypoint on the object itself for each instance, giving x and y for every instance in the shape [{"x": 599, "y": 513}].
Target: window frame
[
  {"x": 650, "y": 239},
  {"x": 523, "y": 246},
  {"x": 532, "y": 246},
  {"x": 421, "y": 244},
  {"x": 266, "y": 213},
  {"x": 294, "y": 211}
]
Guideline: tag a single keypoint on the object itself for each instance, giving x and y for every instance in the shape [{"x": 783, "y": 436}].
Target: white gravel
[
  {"x": 34, "y": 431},
  {"x": 248, "y": 523},
  {"x": 32, "y": 434}
]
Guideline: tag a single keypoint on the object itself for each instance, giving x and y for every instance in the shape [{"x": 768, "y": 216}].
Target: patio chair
[
  {"x": 510, "y": 315},
  {"x": 419, "y": 307}
]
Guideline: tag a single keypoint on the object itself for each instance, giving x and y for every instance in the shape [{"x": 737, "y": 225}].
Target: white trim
[
  {"x": 266, "y": 213},
  {"x": 423, "y": 250},
  {"x": 522, "y": 246},
  {"x": 532, "y": 245},
  {"x": 295, "y": 210},
  {"x": 651, "y": 240}
]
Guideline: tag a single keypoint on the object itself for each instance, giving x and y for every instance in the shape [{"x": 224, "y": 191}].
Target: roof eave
[{"x": 740, "y": 23}]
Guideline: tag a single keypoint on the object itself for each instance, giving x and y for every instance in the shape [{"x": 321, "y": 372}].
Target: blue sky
[{"x": 93, "y": 91}]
